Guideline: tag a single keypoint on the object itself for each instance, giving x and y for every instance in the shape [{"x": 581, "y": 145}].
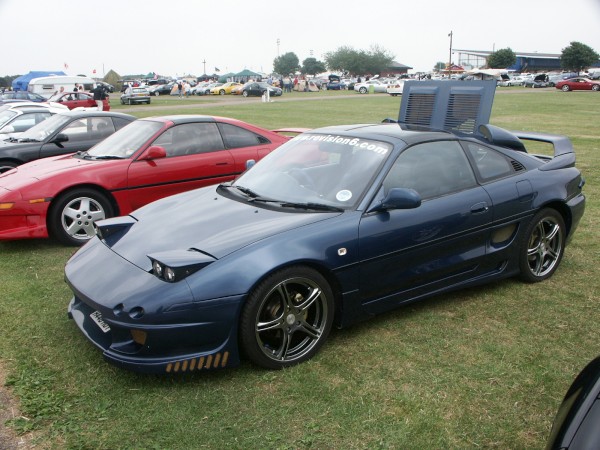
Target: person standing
[
  {"x": 99, "y": 96},
  {"x": 180, "y": 89}
]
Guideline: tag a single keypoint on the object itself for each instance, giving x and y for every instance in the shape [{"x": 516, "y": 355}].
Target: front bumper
[
  {"x": 144, "y": 324},
  {"x": 24, "y": 221}
]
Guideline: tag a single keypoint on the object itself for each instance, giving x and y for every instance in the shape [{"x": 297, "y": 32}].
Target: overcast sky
[{"x": 175, "y": 38}]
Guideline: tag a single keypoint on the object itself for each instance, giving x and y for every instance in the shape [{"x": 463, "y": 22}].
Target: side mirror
[
  {"x": 60, "y": 138},
  {"x": 576, "y": 423},
  {"x": 250, "y": 163},
  {"x": 398, "y": 198},
  {"x": 8, "y": 129},
  {"x": 154, "y": 152}
]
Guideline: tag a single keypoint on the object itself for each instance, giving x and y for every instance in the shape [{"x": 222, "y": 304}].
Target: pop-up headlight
[{"x": 176, "y": 265}]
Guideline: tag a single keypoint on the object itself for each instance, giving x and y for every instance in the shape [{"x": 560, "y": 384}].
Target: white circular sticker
[{"x": 344, "y": 195}]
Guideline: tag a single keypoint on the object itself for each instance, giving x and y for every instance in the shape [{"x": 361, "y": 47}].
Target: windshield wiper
[
  {"x": 106, "y": 157},
  {"x": 27, "y": 140},
  {"x": 310, "y": 205},
  {"x": 252, "y": 196}
]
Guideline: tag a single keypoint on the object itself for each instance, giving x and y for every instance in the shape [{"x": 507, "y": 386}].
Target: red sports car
[
  {"x": 578, "y": 84},
  {"x": 146, "y": 160},
  {"x": 74, "y": 100}
]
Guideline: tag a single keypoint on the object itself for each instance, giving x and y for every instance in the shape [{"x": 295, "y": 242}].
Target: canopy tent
[
  {"x": 245, "y": 75},
  {"x": 21, "y": 83},
  {"x": 226, "y": 77}
]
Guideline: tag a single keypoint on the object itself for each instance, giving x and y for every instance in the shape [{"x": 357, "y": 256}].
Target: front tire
[
  {"x": 566, "y": 88},
  {"x": 221, "y": 92},
  {"x": 363, "y": 90},
  {"x": 245, "y": 93},
  {"x": 156, "y": 93},
  {"x": 542, "y": 246},
  {"x": 5, "y": 166},
  {"x": 73, "y": 214},
  {"x": 287, "y": 318}
]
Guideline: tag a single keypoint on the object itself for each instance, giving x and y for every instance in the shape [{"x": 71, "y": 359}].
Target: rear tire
[
  {"x": 73, "y": 214},
  {"x": 542, "y": 246},
  {"x": 596, "y": 87}
]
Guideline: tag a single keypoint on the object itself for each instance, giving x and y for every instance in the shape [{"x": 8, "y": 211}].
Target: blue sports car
[{"x": 336, "y": 225}]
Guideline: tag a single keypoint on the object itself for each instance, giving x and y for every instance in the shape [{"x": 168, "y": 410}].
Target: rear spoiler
[
  {"x": 564, "y": 154},
  {"x": 291, "y": 130}
]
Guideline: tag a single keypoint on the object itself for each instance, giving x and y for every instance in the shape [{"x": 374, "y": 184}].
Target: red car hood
[{"x": 41, "y": 169}]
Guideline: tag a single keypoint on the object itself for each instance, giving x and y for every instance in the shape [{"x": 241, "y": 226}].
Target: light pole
[
  {"x": 450, "y": 54},
  {"x": 204, "y": 63},
  {"x": 278, "y": 41}
]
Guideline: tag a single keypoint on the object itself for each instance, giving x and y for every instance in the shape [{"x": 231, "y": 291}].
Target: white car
[
  {"x": 365, "y": 88},
  {"x": 395, "y": 88},
  {"x": 16, "y": 118}
]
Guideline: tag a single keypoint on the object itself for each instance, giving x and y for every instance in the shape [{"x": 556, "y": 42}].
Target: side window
[
  {"x": 191, "y": 139},
  {"x": 26, "y": 121},
  {"x": 119, "y": 123},
  {"x": 102, "y": 127},
  {"x": 432, "y": 169},
  {"x": 236, "y": 137},
  {"x": 490, "y": 164},
  {"x": 78, "y": 130}
]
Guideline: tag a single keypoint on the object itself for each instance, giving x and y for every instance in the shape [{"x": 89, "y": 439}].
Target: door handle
[{"x": 479, "y": 208}]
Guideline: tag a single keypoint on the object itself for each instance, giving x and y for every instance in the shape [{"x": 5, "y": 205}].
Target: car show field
[{"x": 480, "y": 367}]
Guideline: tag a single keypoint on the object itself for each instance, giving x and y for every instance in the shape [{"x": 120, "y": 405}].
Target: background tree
[
  {"x": 312, "y": 67},
  {"x": 439, "y": 66},
  {"x": 6, "y": 81},
  {"x": 113, "y": 78},
  {"x": 578, "y": 57},
  {"x": 501, "y": 59},
  {"x": 358, "y": 62},
  {"x": 286, "y": 63}
]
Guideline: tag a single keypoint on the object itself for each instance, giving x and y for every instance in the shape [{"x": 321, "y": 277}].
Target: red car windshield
[{"x": 127, "y": 141}]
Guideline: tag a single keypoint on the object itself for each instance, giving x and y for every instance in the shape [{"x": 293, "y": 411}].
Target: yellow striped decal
[{"x": 209, "y": 362}]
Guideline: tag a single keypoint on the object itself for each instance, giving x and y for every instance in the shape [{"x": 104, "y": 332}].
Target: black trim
[{"x": 131, "y": 188}]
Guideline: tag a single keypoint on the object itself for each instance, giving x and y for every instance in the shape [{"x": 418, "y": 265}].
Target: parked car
[
  {"x": 335, "y": 83},
  {"x": 65, "y": 132},
  {"x": 237, "y": 90},
  {"x": 335, "y": 226},
  {"x": 135, "y": 95},
  {"x": 147, "y": 160},
  {"x": 73, "y": 100},
  {"x": 224, "y": 88},
  {"x": 539, "y": 81},
  {"x": 578, "y": 84},
  {"x": 207, "y": 88},
  {"x": 258, "y": 88},
  {"x": 575, "y": 426},
  {"x": 161, "y": 89},
  {"x": 109, "y": 87},
  {"x": 7, "y": 96},
  {"x": 396, "y": 88},
  {"x": 366, "y": 86},
  {"x": 18, "y": 120}
]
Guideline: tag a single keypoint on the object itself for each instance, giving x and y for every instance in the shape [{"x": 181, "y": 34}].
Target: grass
[{"x": 484, "y": 367}]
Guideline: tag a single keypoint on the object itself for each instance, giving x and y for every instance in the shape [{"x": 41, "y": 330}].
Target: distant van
[{"x": 47, "y": 86}]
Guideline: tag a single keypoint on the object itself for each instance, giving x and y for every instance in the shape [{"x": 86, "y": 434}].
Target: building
[
  {"x": 395, "y": 69},
  {"x": 526, "y": 62}
]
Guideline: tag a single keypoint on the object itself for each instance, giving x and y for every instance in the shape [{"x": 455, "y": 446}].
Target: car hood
[
  {"x": 206, "y": 221},
  {"x": 41, "y": 169}
]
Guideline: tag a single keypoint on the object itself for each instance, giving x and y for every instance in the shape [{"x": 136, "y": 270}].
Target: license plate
[{"x": 97, "y": 317}]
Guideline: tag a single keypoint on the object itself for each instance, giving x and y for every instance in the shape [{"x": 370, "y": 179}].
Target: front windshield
[
  {"x": 127, "y": 140},
  {"x": 317, "y": 169},
  {"x": 45, "y": 128},
  {"x": 5, "y": 116}
]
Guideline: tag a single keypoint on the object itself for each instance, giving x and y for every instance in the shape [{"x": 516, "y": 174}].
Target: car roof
[
  {"x": 409, "y": 134},
  {"x": 188, "y": 118},
  {"x": 82, "y": 114}
]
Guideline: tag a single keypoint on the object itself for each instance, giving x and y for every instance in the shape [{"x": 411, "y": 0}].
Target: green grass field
[{"x": 480, "y": 368}]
